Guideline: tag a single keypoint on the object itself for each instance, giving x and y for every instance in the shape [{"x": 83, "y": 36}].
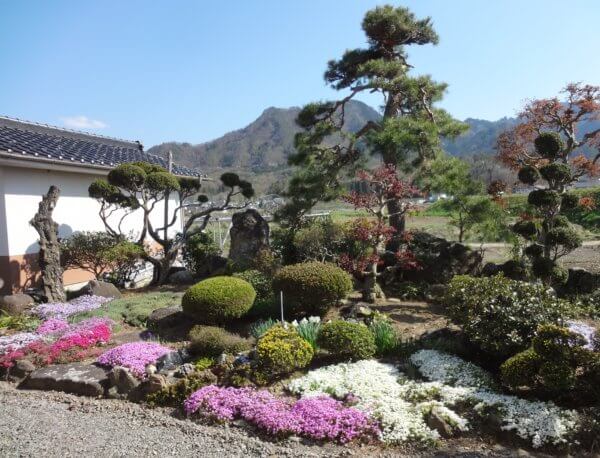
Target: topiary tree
[
  {"x": 547, "y": 146},
  {"x": 408, "y": 134},
  {"x": 140, "y": 186}
]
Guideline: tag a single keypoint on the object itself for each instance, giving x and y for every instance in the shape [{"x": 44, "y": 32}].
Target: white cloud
[{"x": 82, "y": 122}]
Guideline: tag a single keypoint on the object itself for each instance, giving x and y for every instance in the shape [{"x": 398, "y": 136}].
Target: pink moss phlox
[
  {"x": 52, "y": 325},
  {"x": 134, "y": 355},
  {"x": 65, "y": 309},
  {"x": 320, "y": 418}
]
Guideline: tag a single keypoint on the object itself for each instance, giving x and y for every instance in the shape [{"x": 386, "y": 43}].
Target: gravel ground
[{"x": 50, "y": 424}]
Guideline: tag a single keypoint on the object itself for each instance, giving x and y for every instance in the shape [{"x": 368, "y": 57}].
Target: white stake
[{"x": 281, "y": 302}]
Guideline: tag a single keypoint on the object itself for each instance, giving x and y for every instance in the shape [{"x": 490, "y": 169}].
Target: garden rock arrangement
[
  {"x": 15, "y": 303},
  {"x": 76, "y": 378}
]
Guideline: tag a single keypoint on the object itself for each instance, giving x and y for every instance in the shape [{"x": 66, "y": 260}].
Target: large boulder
[
  {"x": 15, "y": 304},
  {"x": 182, "y": 277},
  {"x": 99, "y": 288},
  {"x": 76, "y": 378},
  {"x": 169, "y": 321},
  {"x": 249, "y": 236},
  {"x": 122, "y": 382},
  {"x": 581, "y": 281},
  {"x": 441, "y": 259}
]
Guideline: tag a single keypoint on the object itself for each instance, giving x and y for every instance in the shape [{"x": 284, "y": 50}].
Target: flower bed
[
  {"x": 135, "y": 356},
  {"x": 402, "y": 406},
  {"x": 57, "y": 343},
  {"x": 63, "y": 310},
  {"x": 316, "y": 418}
]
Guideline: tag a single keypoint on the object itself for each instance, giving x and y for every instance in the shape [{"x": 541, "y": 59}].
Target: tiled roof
[{"x": 39, "y": 141}]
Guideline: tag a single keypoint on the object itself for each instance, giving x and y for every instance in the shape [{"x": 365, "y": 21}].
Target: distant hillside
[{"x": 263, "y": 145}]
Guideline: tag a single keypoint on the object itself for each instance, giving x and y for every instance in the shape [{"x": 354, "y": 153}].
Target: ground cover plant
[
  {"x": 66, "y": 309},
  {"x": 134, "y": 356},
  {"x": 132, "y": 310}
]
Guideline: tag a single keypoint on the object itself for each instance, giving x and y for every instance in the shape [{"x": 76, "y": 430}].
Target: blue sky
[{"x": 194, "y": 70}]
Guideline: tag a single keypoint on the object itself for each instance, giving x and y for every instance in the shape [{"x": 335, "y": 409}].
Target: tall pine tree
[{"x": 408, "y": 134}]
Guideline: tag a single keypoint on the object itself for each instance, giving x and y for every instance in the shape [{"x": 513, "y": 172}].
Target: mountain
[{"x": 263, "y": 145}]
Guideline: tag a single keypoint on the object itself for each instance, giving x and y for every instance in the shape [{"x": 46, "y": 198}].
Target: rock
[
  {"x": 436, "y": 421},
  {"x": 249, "y": 235},
  {"x": 358, "y": 311},
  {"x": 153, "y": 384},
  {"x": 185, "y": 370},
  {"x": 581, "y": 281},
  {"x": 123, "y": 380},
  {"x": 163, "y": 319},
  {"x": 150, "y": 369},
  {"x": 182, "y": 277},
  {"x": 15, "y": 304},
  {"x": 77, "y": 378},
  {"x": 20, "y": 370},
  {"x": 168, "y": 362},
  {"x": 99, "y": 288}
]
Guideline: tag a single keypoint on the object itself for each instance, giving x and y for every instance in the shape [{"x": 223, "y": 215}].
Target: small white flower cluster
[
  {"x": 304, "y": 321},
  {"x": 540, "y": 422},
  {"x": 450, "y": 369},
  {"x": 402, "y": 405}
]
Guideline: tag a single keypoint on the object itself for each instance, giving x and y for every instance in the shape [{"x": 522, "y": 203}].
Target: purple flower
[
  {"x": 321, "y": 418},
  {"x": 51, "y": 326},
  {"x": 135, "y": 356},
  {"x": 62, "y": 310}
]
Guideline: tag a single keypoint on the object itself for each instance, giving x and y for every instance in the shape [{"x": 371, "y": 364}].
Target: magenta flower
[
  {"x": 51, "y": 326},
  {"x": 135, "y": 356},
  {"x": 320, "y": 418}
]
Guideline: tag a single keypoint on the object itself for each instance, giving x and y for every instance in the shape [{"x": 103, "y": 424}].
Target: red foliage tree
[{"x": 373, "y": 232}]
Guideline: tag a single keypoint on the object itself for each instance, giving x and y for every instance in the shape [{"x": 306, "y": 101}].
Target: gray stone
[
  {"x": 436, "y": 421},
  {"x": 185, "y": 370},
  {"x": 20, "y": 370},
  {"x": 15, "y": 304},
  {"x": 249, "y": 235},
  {"x": 182, "y": 277},
  {"x": 123, "y": 380},
  {"x": 76, "y": 378},
  {"x": 100, "y": 288},
  {"x": 166, "y": 318},
  {"x": 169, "y": 361}
]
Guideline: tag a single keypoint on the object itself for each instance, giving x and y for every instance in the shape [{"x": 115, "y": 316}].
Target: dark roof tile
[{"x": 22, "y": 138}]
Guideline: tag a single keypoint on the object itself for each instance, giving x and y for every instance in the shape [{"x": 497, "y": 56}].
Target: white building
[{"x": 32, "y": 158}]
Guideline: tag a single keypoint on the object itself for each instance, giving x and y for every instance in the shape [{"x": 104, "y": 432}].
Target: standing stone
[
  {"x": 49, "y": 254},
  {"x": 249, "y": 235}
]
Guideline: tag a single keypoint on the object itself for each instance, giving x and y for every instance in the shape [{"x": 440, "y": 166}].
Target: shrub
[
  {"x": 529, "y": 174},
  {"x": 549, "y": 271},
  {"x": 265, "y": 304},
  {"x": 198, "y": 252},
  {"x": 569, "y": 201},
  {"x": 564, "y": 236},
  {"x": 557, "y": 363},
  {"x": 213, "y": 341},
  {"x": 544, "y": 198},
  {"x": 556, "y": 173},
  {"x": 347, "y": 340},
  {"x": 500, "y": 315},
  {"x": 320, "y": 240},
  {"x": 281, "y": 351},
  {"x": 218, "y": 299},
  {"x": 548, "y": 144},
  {"x": 526, "y": 229},
  {"x": 311, "y": 288}
]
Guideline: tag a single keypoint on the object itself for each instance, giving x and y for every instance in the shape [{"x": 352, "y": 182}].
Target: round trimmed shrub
[
  {"x": 213, "y": 341},
  {"x": 526, "y": 229},
  {"x": 265, "y": 305},
  {"x": 549, "y": 271},
  {"x": 534, "y": 251},
  {"x": 548, "y": 144},
  {"x": 521, "y": 369},
  {"x": 529, "y": 174},
  {"x": 564, "y": 236},
  {"x": 569, "y": 201},
  {"x": 556, "y": 173},
  {"x": 499, "y": 315},
  {"x": 281, "y": 351},
  {"x": 218, "y": 299},
  {"x": 347, "y": 340},
  {"x": 544, "y": 198},
  {"x": 310, "y": 288}
]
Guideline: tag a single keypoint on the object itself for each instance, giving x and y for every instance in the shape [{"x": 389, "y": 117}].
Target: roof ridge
[{"x": 72, "y": 131}]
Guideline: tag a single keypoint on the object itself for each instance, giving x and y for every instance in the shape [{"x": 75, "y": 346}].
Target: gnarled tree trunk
[{"x": 49, "y": 255}]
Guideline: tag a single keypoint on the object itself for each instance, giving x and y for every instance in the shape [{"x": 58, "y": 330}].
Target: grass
[{"x": 132, "y": 310}]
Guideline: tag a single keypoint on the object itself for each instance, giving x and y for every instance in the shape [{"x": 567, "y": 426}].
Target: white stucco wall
[{"x": 22, "y": 190}]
